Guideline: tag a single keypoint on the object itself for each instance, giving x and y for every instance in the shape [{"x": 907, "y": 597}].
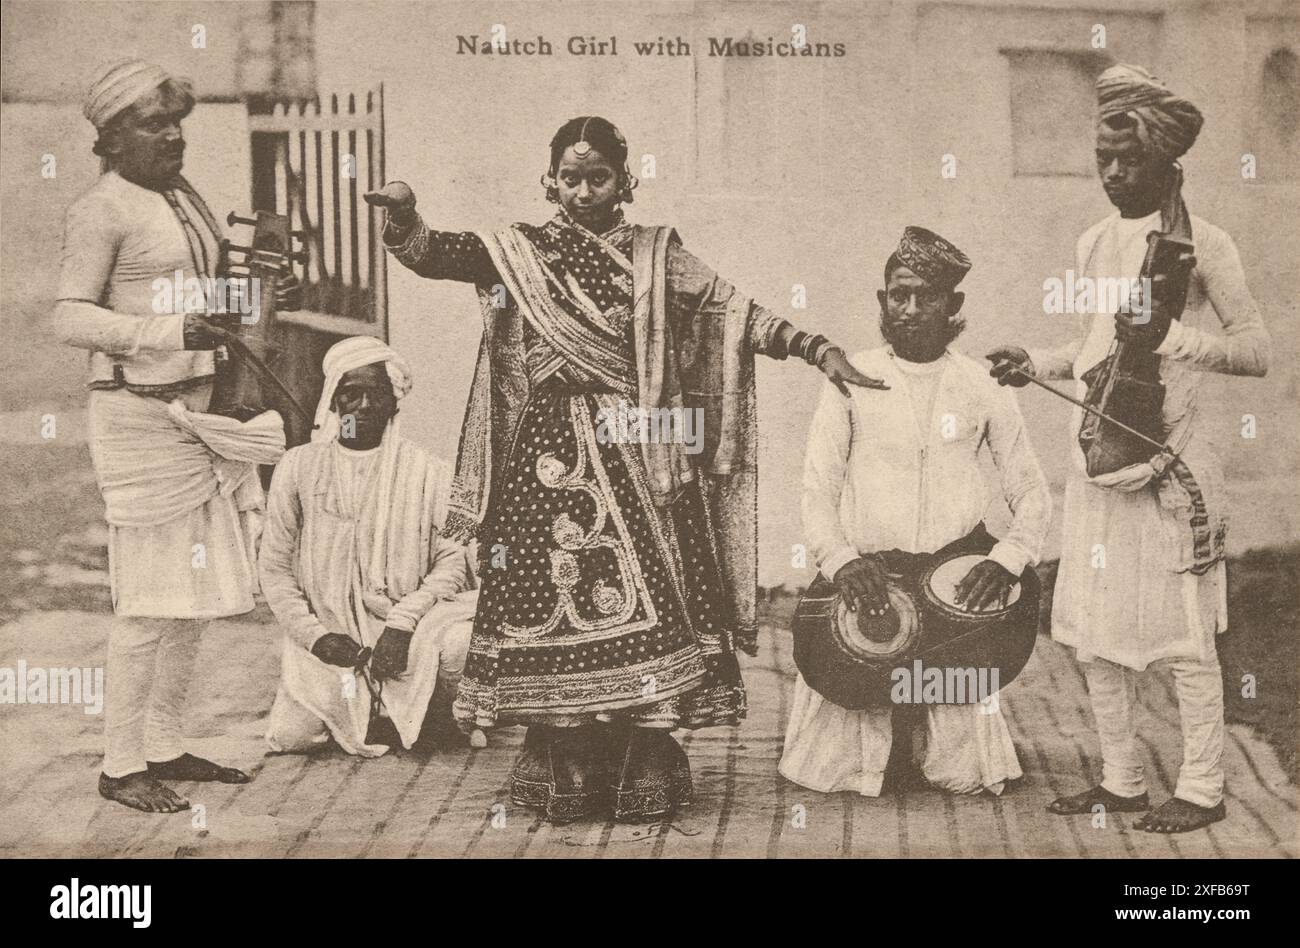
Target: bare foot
[
  {"x": 1176, "y": 815},
  {"x": 189, "y": 767},
  {"x": 140, "y": 791}
]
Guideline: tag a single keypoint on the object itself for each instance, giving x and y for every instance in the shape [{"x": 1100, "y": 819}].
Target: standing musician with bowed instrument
[
  {"x": 180, "y": 486},
  {"x": 1142, "y": 576}
]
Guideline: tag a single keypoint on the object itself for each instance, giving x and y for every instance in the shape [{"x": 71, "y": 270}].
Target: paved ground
[{"x": 454, "y": 804}]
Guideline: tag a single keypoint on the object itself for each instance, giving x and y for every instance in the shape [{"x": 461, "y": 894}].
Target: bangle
[
  {"x": 813, "y": 347},
  {"x": 796, "y": 344}
]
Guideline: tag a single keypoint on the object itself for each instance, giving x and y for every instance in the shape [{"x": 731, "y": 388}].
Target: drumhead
[
  {"x": 852, "y": 639},
  {"x": 941, "y": 586}
]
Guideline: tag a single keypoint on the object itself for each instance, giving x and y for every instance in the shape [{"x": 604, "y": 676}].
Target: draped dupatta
[{"x": 677, "y": 359}]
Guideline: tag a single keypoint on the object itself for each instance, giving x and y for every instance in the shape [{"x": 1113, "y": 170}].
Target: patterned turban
[
  {"x": 1166, "y": 123},
  {"x": 353, "y": 353},
  {"x": 931, "y": 257},
  {"x": 120, "y": 85}
]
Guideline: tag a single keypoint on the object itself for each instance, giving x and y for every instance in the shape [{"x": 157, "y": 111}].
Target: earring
[
  {"x": 552, "y": 192},
  {"x": 629, "y": 185}
]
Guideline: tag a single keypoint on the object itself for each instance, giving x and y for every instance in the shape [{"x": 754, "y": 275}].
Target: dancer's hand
[
  {"x": 836, "y": 366},
  {"x": 397, "y": 199}
]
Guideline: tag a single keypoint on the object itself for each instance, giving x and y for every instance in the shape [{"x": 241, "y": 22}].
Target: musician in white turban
[
  {"x": 376, "y": 606},
  {"x": 180, "y": 486},
  {"x": 1142, "y": 577}
]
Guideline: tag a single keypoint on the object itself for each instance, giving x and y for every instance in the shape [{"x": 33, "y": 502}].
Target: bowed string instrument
[
  {"x": 1124, "y": 403},
  {"x": 245, "y": 384}
]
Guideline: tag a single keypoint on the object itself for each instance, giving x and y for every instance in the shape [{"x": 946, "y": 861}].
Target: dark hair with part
[
  {"x": 600, "y": 133},
  {"x": 603, "y": 137}
]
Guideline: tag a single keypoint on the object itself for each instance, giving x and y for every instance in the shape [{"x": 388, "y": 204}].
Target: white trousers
[
  {"x": 1199, "y": 686},
  {"x": 150, "y": 662}
]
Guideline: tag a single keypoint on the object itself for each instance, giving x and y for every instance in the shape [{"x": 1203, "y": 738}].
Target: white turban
[
  {"x": 120, "y": 85},
  {"x": 353, "y": 353}
]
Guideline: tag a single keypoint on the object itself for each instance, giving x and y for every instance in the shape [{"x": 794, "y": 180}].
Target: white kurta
[
  {"x": 1124, "y": 592},
  {"x": 195, "y": 559},
  {"x": 118, "y": 240},
  {"x": 311, "y": 573},
  {"x": 878, "y": 476}
]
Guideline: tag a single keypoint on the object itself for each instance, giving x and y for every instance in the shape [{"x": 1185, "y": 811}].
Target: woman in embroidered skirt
[{"x": 607, "y": 470}]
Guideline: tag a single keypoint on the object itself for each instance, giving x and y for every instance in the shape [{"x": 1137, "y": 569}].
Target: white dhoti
[
  {"x": 182, "y": 521},
  {"x": 182, "y": 528},
  {"x": 317, "y": 701},
  {"x": 959, "y": 748}
]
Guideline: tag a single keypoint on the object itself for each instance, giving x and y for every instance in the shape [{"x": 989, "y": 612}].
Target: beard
[{"x": 922, "y": 344}]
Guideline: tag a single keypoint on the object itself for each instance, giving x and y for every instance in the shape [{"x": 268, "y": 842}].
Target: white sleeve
[
  {"x": 91, "y": 238},
  {"x": 1024, "y": 487},
  {"x": 825, "y": 467},
  {"x": 1243, "y": 348}
]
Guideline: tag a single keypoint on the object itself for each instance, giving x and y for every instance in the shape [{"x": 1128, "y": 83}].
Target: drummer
[{"x": 899, "y": 469}]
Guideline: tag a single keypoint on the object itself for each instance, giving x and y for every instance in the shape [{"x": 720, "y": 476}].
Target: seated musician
[
  {"x": 376, "y": 606},
  {"x": 899, "y": 470}
]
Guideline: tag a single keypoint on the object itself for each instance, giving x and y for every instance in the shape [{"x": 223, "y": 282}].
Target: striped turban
[
  {"x": 120, "y": 85},
  {"x": 1167, "y": 124}
]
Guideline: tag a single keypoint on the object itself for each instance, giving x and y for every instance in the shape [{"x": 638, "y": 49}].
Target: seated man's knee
[
  {"x": 454, "y": 652},
  {"x": 293, "y": 729}
]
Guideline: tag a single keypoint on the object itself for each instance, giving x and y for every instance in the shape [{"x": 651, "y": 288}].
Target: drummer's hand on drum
[
  {"x": 985, "y": 587},
  {"x": 397, "y": 198},
  {"x": 862, "y": 584}
]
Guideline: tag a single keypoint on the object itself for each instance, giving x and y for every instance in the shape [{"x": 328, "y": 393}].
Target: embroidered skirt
[{"x": 595, "y": 606}]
